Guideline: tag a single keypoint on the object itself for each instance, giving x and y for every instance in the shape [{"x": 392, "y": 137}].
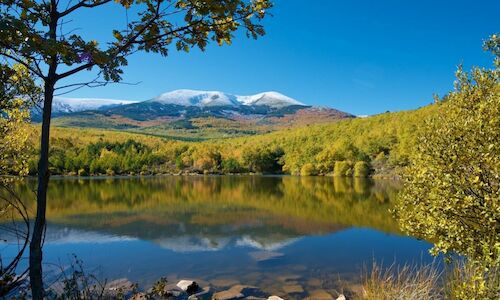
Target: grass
[{"x": 403, "y": 283}]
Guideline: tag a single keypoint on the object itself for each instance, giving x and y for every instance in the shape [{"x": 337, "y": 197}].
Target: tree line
[{"x": 375, "y": 146}]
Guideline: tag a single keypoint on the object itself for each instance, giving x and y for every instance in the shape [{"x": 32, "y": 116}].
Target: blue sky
[{"x": 364, "y": 57}]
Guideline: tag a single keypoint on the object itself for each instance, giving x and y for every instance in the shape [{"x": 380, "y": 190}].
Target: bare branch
[
  {"x": 37, "y": 72},
  {"x": 82, "y": 4}
]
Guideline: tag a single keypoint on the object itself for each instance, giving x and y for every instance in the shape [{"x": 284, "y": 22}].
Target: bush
[
  {"x": 343, "y": 168},
  {"x": 308, "y": 170},
  {"x": 110, "y": 172},
  {"x": 470, "y": 280},
  {"x": 231, "y": 165},
  {"x": 450, "y": 194},
  {"x": 83, "y": 172},
  {"x": 361, "y": 169}
]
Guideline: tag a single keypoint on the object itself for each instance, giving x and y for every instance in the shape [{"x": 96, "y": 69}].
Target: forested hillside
[{"x": 373, "y": 146}]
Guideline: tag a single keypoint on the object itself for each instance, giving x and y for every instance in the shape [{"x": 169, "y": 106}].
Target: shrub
[
  {"x": 83, "y": 172},
  {"x": 450, "y": 194},
  {"x": 231, "y": 165},
  {"x": 110, "y": 172},
  {"x": 343, "y": 168},
  {"x": 470, "y": 280},
  {"x": 308, "y": 170},
  {"x": 361, "y": 169}
]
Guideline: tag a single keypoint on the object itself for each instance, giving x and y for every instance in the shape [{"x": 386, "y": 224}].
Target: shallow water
[{"x": 268, "y": 231}]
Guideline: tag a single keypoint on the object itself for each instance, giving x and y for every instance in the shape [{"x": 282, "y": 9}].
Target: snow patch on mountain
[
  {"x": 197, "y": 98},
  {"x": 69, "y": 105},
  {"x": 216, "y": 98},
  {"x": 273, "y": 99}
]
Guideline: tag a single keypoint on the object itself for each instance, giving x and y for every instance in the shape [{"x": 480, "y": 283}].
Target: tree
[
  {"x": 32, "y": 33},
  {"x": 451, "y": 194},
  {"x": 17, "y": 92}
]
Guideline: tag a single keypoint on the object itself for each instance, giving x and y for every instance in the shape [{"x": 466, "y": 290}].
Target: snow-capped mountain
[
  {"x": 272, "y": 99},
  {"x": 216, "y": 98},
  {"x": 180, "y": 108},
  {"x": 71, "y": 105},
  {"x": 197, "y": 98}
]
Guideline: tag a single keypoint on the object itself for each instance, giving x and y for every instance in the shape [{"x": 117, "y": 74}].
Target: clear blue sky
[{"x": 364, "y": 57}]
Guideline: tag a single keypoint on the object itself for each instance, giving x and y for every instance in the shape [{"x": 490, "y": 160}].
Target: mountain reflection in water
[{"x": 208, "y": 227}]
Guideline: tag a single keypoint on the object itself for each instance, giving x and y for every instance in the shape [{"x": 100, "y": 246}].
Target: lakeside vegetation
[
  {"x": 374, "y": 146},
  {"x": 448, "y": 152}
]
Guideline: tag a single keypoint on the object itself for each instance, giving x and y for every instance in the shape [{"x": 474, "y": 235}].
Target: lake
[{"x": 267, "y": 231}]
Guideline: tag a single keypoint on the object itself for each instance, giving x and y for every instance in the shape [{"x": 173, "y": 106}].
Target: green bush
[
  {"x": 83, "y": 172},
  {"x": 361, "y": 169},
  {"x": 231, "y": 165},
  {"x": 308, "y": 170},
  {"x": 343, "y": 169}
]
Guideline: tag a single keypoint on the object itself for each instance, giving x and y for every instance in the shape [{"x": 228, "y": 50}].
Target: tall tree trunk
[
  {"x": 35, "y": 260},
  {"x": 36, "y": 255}
]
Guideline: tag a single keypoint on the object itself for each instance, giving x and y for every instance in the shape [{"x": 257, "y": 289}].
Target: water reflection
[{"x": 213, "y": 227}]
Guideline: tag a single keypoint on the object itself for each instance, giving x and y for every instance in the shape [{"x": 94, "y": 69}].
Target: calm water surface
[{"x": 258, "y": 230}]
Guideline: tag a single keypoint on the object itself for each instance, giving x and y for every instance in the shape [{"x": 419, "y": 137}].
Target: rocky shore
[{"x": 186, "y": 289}]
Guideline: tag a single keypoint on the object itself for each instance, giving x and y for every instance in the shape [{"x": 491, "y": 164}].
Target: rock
[
  {"x": 122, "y": 286},
  {"x": 319, "y": 295},
  {"x": 248, "y": 290},
  {"x": 293, "y": 289},
  {"x": 261, "y": 256},
  {"x": 205, "y": 294},
  {"x": 188, "y": 286},
  {"x": 172, "y": 291},
  {"x": 289, "y": 277},
  {"x": 238, "y": 292},
  {"x": 139, "y": 296},
  {"x": 223, "y": 282},
  {"x": 341, "y": 297},
  {"x": 228, "y": 295},
  {"x": 315, "y": 282},
  {"x": 275, "y": 298}
]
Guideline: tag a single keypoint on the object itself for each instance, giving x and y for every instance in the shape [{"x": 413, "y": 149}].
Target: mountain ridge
[{"x": 189, "y": 113}]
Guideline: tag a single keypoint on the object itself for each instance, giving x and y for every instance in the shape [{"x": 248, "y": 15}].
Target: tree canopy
[
  {"x": 451, "y": 194},
  {"x": 32, "y": 32}
]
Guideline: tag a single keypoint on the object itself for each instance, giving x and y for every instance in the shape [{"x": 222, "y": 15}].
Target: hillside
[
  {"x": 192, "y": 115},
  {"x": 377, "y": 145}
]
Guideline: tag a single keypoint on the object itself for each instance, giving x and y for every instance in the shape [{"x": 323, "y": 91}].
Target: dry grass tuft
[{"x": 403, "y": 283}]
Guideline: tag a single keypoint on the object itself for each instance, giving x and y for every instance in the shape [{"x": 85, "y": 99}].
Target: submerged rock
[
  {"x": 204, "y": 294},
  {"x": 260, "y": 256},
  {"x": 293, "y": 289},
  {"x": 120, "y": 286},
  {"x": 319, "y": 295},
  {"x": 238, "y": 292},
  {"x": 223, "y": 282},
  {"x": 228, "y": 295}
]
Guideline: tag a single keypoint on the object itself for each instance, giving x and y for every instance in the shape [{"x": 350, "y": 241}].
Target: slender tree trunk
[
  {"x": 36, "y": 255},
  {"x": 35, "y": 260}
]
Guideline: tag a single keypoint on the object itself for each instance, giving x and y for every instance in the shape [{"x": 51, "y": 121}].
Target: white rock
[
  {"x": 275, "y": 298},
  {"x": 341, "y": 297},
  {"x": 186, "y": 284}
]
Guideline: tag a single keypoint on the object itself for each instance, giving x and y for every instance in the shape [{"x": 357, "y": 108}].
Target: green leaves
[
  {"x": 32, "y": 30},
  {"x": 452, "y": 189}
]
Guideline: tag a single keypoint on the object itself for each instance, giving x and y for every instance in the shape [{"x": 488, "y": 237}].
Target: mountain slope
[{"x": 191, "y": 113}]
